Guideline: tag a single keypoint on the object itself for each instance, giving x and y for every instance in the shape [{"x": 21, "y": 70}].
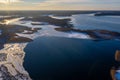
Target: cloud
[
  {"x": 62, "y": 1},
  {"x": 83, "y": 2},
  {"x": 79, "y": 1},
  {"x": 56, "y": 2},
  {"x": 9, "y": 1},
  {"x": 62, "y": 4}
]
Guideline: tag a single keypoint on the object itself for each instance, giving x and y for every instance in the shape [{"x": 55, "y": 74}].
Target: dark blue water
[{"x": 53, "y": 58}]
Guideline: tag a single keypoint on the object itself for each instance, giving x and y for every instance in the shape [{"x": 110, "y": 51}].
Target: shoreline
[{"x": 13, "y": 62}]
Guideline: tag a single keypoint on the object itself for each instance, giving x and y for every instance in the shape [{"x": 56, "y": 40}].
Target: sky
[{"x": 59, "y": 4}]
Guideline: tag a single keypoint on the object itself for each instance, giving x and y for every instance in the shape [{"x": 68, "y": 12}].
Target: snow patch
[
  {"x": 14, "y": 61},
  {"x": 59, "y": 17}
]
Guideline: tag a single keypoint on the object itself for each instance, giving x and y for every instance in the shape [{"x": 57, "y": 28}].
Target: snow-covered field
[
  {"x": 14, "y": 61},
  {"x": 48, "y": 30}
]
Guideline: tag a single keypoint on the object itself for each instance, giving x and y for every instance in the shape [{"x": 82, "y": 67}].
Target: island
[
  {"x": 111, "y": 13},
  {"x": 94, "y": 34}
]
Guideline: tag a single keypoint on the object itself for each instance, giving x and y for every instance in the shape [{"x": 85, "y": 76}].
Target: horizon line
[{"x": 59, "y": 10}]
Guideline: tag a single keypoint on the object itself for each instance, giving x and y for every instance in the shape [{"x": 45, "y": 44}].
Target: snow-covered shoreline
[{"x": 13, "y": 62}]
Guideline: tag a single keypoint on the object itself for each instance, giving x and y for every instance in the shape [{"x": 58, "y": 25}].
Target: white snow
[
  {"x": 59, "y": 17},
  {"x": 4, "y": 16},
  {"x": 11, "y": 21},
  {"x": 47, "y": 30},
  {"x": 14, "y": 62},
  {"x": 78, "y": 35}
]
